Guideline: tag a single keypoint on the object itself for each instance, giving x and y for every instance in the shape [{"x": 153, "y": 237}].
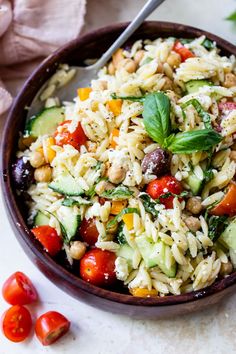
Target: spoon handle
[{"x": 148, "y": 8}]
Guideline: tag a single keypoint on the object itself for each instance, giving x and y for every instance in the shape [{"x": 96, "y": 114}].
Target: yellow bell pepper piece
[
  {"x": 117, "y": 206},
  {"x": 128, "y": 220},
  {"x": 84, "y": 93},
  {"x": 49, "y": 151},
  {"x": 115, "y": 106},
  {"x": 143, "y": 292},
  {"x": 115, "y": 133}
]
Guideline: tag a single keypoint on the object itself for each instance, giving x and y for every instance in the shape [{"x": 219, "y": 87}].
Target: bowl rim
[{"x": 23, "y": 233}]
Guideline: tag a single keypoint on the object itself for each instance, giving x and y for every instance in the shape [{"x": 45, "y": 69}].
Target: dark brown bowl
[{"x": 93, "y": 45}]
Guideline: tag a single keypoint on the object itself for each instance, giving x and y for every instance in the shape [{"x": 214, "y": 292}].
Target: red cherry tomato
[
  {"x": 227, "y": 106},
  {"x": 98, "y": 267},
  {"x": 227, "y": 206},
  {"x": 49, "y": 238},
  {"x": 63, "y": 136},
  {"x": 164, "y": 185},
  {"x": 88, "y": 231},
  {"x": 51, "y": 326},
  {"x": 16, "y": 323},
  {"x": 184, "y": 52},
  {"x": 18, "y": 290}
]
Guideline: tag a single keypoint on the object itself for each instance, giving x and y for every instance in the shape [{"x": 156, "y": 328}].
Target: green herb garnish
[
  {"x": 204, "y": 115},
  {"x": 149, "y": 204},
  {"x": 120, "y": 234},
  {"x": 216, "y": 225},
  {"x": 120, "y": 192},
  {"x": 69, "y": 202},
  {"x": 118, "y": 217}
]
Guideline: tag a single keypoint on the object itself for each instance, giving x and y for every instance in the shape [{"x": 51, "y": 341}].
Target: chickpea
[
  {"x": 138, "y": 56},
  {"x": 43, "y": 174},
  {"x": 194, "y": 205},
  {"x": 117, "y": 57},
  {"x": 77, "y": 250},
  {"x": 36, "y": 159},
  {"x": 116, "y": 173},
  {"x": 128, "y": 64},
  {"x": 193, "y": 223},
  {"x": 230, "y": 80},
  {"x": 174, "y": 60},
  {"x": 103, "y": 186},
  {"x": 232, "y": 155},
  {"x": 226, "y": 268},
  {"x": 111, "y": 68}
]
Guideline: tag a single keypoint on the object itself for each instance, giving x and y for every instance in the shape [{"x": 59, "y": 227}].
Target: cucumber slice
[
  {"x": 66, "y": 184},
  {"x": 154, "y": 254},
  {"x": 228, "y": 237},
  {"x": 194, "y": 183},
  {"x": 194, "y": 85},
  {"x": 126, "y": 252},
  {"x": 41, "y": 219},
  {"x": 45, "y": 123},
  {"x": 70, "y": 221}
]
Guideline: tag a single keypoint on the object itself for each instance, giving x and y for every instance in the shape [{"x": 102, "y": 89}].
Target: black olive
[
  {"x": 156, "y": 163},
  {"x": 23, "y": 173}
]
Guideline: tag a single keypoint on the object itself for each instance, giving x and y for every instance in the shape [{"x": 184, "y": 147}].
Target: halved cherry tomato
[
  {"x": 88, "y": 231},
  {"x": 227, "y": 206},
  {"x": 18, "y": 290},
  {"x": 51, "y": 326},
  {"x": 98, "y": 267},
  {"x": 184, "y": 52},
  {"x": 63, "y": 136},
  {"x": 227, "y": 106},
  {"x": 49, "y": 238},
  {"x": 162, "y": 186},
  {"x": 16, "y": 323}
]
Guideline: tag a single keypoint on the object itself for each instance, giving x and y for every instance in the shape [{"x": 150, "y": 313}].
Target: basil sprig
[
  {"x": 192, "y": 141},
  {"x": 203, "y": 114},
  {"x": 156, "y": 117}
]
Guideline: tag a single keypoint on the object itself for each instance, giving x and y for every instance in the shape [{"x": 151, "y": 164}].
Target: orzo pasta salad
[{"x": 134, "y": 181}]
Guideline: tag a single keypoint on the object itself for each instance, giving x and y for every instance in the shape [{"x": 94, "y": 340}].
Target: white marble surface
[{"x": 97, "y": 332}]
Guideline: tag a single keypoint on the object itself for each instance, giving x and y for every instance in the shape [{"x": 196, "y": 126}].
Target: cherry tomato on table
[
  {"x": 162, "y": 186},
  {"x": 63, "y": 136},
  {"x": 184, "y": 52},
  {"x": 16, "y": 323},
  {"x": 18, "y": 290},
  {"x": 51, "y": 326},
  {"x": 88, "y": 231},
  {"x": 49, "y": 238},
  {"x": 227, "y": 206},
  {"x": 98, "y": 267}
]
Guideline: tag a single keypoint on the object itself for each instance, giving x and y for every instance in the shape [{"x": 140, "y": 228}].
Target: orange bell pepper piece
[
  {"x": 115, "y": 106},
  {"x": 143, "y": 292},
  {"x": 117, "y": 206},
  {"x": 84, "y": 93},
  {"x": 115, "y": 133}
]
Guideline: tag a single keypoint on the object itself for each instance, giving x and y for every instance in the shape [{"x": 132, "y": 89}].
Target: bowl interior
[{"x": 89, "y": 46}]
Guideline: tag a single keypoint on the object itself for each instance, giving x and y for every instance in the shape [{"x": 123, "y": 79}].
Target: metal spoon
[{"x": 84, "y": 75}]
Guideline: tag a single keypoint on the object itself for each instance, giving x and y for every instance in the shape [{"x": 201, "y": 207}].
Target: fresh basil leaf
[
  {"x": 156, "y": 116},
  {"x": 192, "y": 141},
  {"x": 120, "y": 192},
  {"x": 208, "y": 44},
  {"x": 63, "y": 230},
  {"x": 204, "y": 115},
  {"x": 149, "y": 204},
  {"x": 119, "y": 216},
  {"x": 128, "y": 98},
  {"x": 185, "y": 40},
  {"x": 120, "y": 234},
  {"x": 216, "y": 225},
  {"x": 71, "y": 202}
]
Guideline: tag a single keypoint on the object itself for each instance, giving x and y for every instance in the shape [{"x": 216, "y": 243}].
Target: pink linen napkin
[{"x": 29, "y": 31}]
